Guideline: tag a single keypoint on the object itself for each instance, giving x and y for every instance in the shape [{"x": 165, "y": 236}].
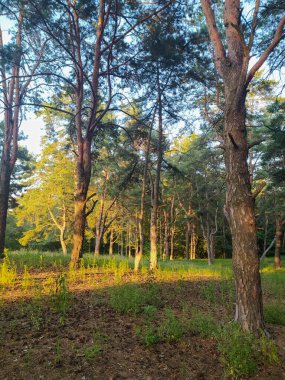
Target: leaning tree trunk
[
  {"x": 62, "y": 242},
  {"x": 239, "y": 209},
  {"x": 5, "y": 178}
]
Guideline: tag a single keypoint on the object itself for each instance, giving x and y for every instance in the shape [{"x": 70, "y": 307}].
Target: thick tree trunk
[
  {"x": 278, "y": 243},
  {"x": 239, "y": 209},
  {"x": 83, "y": 174},
  {"x": 5, "y": 178}
]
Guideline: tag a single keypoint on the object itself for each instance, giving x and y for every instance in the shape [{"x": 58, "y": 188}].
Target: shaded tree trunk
[
  {"x": 166, "y": 236},
  {"x": 5, "y": 178},
  {"x": 278, "y": 242},
  {"x": 187, "y": 236},
  {"x": 156, "y": 186}
]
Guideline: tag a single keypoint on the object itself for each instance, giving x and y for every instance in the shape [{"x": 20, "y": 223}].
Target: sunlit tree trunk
[
  {"x": 111, "y": 242},
  {"x": 231, "y": 61},
  {"x": 156, "y": 186}
]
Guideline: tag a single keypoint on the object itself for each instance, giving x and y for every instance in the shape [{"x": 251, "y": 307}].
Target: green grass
[
  {"x": 132, "y": 298},
  {"x": 274, "y": 313}
]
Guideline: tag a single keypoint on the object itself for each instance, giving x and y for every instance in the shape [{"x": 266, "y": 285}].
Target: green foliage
[
  {"x": 238, "y": 351},
  {"x": 274, "y": 313},
  {"x": 7, "y": 271},
  {"x": 202, "y": 324},
  {"x": 98, "y": 342},
  {"x": 132, "y": 299},
  {"x": 171, "y": 328},
  {"x": 61, "y": 298}
]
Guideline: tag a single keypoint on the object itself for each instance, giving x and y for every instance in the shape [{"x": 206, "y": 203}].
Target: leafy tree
[{"x": 46, "y": 207}]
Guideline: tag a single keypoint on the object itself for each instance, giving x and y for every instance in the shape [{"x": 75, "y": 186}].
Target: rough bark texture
[
  {"x": 5, "y": 178},
  {"x": 232, "y": 65},
  {"x": 83, "y": 175},
  {"x": 155, "y": 192},
  {"x": 240, "y": 210}
]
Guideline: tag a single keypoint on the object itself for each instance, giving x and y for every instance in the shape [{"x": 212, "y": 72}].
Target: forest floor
[{"x": 105, "y": 322}]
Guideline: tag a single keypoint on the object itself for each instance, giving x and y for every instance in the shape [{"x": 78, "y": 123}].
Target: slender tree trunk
[
  {"x": 5, "y": 178},
  {"x": 155, "y": 197},
  {"x": 193, "y": 242},
  {"x": 62, "y": 242},
  {"x": 111, "y": 242},
  {"x": 278, "y": 243},
  {"x": 187, "y": 235},
  {"x": 139, "y": 255},
  {"x": 172, "y": 227},
  {"x": 166, "y": 236}
]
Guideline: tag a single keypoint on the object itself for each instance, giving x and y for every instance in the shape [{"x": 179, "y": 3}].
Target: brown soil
[{"x": 54, "y": 351}]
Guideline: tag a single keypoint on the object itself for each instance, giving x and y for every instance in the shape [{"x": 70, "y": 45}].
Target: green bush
[
  {"x": 202, "y": 324},
  {"x": 275, "y": 314},
  {"x": 133, "y": 299}
]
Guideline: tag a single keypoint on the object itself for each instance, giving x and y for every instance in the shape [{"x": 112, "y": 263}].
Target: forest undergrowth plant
[
  {"x": 36, "y": 311},
  {"x": 98, "y": 342},
  {"x": 274, "y": 313},
  {"x": 61, "y": 298},
  {"x": 131, "y": 298},
  {"x": 242, "y": 352},
  {"x": 8, "y": 272}
]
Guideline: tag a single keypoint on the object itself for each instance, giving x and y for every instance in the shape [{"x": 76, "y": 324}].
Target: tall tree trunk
[
  {"x": 155, "y": 193},
  {"x": 62, "y": 241},
  {"x": 83, "y": 174},
  {"x": 166, "y": 236},
  {"x": 278, "y": 242},
  {"x": 193, "y": 242},
  {"x": 5, "y": 178},
  {"x": 111, "y": 242},
  {"x": 139, "y": 255},
  {"x": 172, "y": 227},
  {"x": 187, "y": 236},
  {"x": 240, "y": 211}
]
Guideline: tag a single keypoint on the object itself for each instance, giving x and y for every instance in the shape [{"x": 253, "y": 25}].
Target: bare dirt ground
[{"x": 35, "y": 345}]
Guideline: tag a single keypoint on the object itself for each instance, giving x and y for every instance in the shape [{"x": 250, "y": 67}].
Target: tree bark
[
  {"x": 166, "y": 236},
  {"x": 83, "y": 175},
  {"x": 111, "y": 242},
  {"x": 240, "y": 211},
  {"x": 232, "y": 65},
  {"x": 187, "y": 236},
  {"x": 156, "y": 186},
  {"x": 5, "y": 178},
  {"x": 278, "y": 242}
]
